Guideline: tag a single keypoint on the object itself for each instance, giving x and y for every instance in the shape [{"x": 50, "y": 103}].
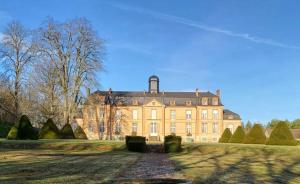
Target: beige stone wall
[{"x": 91, "y": 121}]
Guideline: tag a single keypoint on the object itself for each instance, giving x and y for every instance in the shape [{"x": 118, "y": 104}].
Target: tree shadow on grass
[{"x": 65, "y": 168}]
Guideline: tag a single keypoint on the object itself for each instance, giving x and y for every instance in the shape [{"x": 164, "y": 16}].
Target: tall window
[
  {"x": 188, "y": 128},
  {"x": 173, "y": 128},
  {"x": 118, "y": 114},
  {"x": 134, "y": 127},
  {"x": 102, "y": 127},
  {"x": 91, "y": 126},
  {"x": 215, "y": 127},
  {"x": 101, "y": 113},
  {"x": 204, "y": 127},
  {"x": 215, "y": 114},
  {"x": 91, "y": 113},
  {"x": 173, "y": 115},
  {"x": 188, "y": 115},
  {"x": 153, "y": 114},
  {"x": 153, "y": 129},
  {"x": 204, "y": 114},
  {"x": 118, "y": 127},
  {"x": 134, "y": 114}
]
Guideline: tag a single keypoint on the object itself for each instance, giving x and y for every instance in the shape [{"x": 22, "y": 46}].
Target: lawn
[
  {"x": 238, "y": 163},
  {"x": 62, "y": 161}
]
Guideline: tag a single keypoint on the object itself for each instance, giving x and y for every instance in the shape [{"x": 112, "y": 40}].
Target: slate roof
[
  {"x": 229, "y": 115},
  {"x": 142, "y": 97}
]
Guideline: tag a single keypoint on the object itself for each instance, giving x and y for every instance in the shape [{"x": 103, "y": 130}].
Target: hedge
[
  {"x": 172, "y": 143},
  {"x": 238, "y": 136},
  {"x": 67, "y": 132},
  {"x": 49, "y": 130},
  {"x": 26, "y": 130},
  {"x": 12, "y": 134},
  {"x": 281, "y": 135},
  {"x": 136, "y": 143},
  {"x": 225, "y": 136},
  {"x": 4, "y": 129},
  {"x": 255, "y": 135},
  {"x": 79, "y": 133}
]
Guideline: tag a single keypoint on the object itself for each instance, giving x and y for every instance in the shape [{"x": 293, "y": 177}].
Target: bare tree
[
  {"x": 75, "y": 49},
  {"x": 16, "y": 51}
]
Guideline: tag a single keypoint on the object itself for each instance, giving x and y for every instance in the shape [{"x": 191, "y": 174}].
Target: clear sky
[{"x": 248, "y": 49}]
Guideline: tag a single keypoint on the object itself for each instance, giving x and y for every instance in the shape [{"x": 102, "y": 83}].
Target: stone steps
[{"x": 155, "y": 148}]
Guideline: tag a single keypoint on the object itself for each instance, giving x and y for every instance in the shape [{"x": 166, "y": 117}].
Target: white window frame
[
  {"x": 215, "y": 127},
  {"x": 153, "y": 113},
  {"x": 173, "y": 115},
  {"x": 135, "y": 114},
  {"x": 215, "y": 114},
  {"x": 204, "y": 114},
  {"x": 153, "y": 128},
  {"x": 188, "y": 114},
  {"x": 204, "y": 127}
]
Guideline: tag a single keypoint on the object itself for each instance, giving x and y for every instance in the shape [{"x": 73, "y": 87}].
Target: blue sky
[{"x": 248, "y": 49}]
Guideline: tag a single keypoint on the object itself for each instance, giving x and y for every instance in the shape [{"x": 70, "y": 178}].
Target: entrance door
[{"x": 153, "y": 129}]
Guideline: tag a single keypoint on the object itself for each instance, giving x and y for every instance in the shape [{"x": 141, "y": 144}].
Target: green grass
[
  {"x": 239, "y": 163},
  {"x": 62, "y": 161}
]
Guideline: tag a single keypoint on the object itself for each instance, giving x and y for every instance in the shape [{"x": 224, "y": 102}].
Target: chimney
[
  {"x": 218, "y": 92},
  {"x": 197, "y": 92}
]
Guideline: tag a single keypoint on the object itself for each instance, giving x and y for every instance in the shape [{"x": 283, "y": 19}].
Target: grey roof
[
  {"x": 142, "y": 97},
  {"x": 229, "y": 115}
]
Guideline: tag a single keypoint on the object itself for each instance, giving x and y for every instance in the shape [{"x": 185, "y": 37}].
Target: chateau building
[{"x": 195, "y": 116}]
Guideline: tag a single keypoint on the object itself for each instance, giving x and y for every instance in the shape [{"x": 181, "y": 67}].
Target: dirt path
[{"x": 151, "y": 166}]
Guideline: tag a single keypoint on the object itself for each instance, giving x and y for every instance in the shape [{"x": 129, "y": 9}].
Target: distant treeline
[{"x": 272, "y": 124}]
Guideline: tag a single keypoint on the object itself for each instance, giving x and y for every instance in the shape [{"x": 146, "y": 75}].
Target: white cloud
[{"x": 204, "y": 27}]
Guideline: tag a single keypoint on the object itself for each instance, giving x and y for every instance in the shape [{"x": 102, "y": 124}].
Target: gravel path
[{"x": 152, "y": 166}]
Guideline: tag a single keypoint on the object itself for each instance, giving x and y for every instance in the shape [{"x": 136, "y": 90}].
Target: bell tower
[{"x": 153, "y": 84}]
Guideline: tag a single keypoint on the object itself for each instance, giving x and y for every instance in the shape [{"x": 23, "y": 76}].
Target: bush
[
  {"x": 238, "y": 136},
  {"x": 172, "y": 143},
  {"x": 26, "y": 130},
  {"x": 67, "y": 132},
  {"x": 79, "y": 133},
  {"x": 281, "y": 135},
  {"x": 135, "y": 143},
  {"x": 49, "y": 130},
  {"x": 13, "y": 133},
  {"x": 4, "y": 129},
  {"x": 225, "y": 136},
  {"x": 255, "y": 135}
]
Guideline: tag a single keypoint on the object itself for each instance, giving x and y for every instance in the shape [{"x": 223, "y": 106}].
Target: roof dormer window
[
  {"x": 188, "y": 103},
  {"x": 215, "y": 101},
  {"x": 204, "y": 101}
]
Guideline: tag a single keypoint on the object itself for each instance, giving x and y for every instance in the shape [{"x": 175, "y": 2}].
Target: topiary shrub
[
  {"x": 225, "y": 136},
  {"x": 12, "y": 134},
  {"x": 26, "y": 130},
  {"x": 79, "y": 133},
  {"x": 281, "y": 135},
  {"x": 255, "y": 135},
  {"x": 238, "y": 136},
  {"x": 136, "y": 143},
  {"x": 4, "y": 129},
  {"x": 67, "y": 132},
  {"x": 49, "y": 130},
  {"x": 172, "y": 143}
]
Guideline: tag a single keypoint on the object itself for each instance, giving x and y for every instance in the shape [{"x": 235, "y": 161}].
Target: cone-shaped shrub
[
  {"x": 67, "y": 132},
  {"x": 79, "y": 133},
  {"x": 238, "y": 136},
  {"x": 25, "y": 129},
  {"x": 13, "y": 133},
  {"x": 255, "y": 135},
  {"x": 281, "y": 135},
  {"x": 225, "y": 136},
  {"x": 49, "y": 130}
]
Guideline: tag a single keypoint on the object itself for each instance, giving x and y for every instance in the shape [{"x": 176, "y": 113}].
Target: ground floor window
[
  {"x": 153, "y": 129},
  {"x": 91, "y": 126},
  {"x": 101, "y": 127},
  {"x": 118, "y": 127},
  {"x": 173, "y": 128},
  {"x": 134, "y": 127},
  {"x": 215, "y": 127},
  {"x": 204, "y": 127},
  {"x": 189, "y": 128}
]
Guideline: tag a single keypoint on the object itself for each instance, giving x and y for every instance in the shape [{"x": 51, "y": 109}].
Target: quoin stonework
[{"x": 195, "y": 116}]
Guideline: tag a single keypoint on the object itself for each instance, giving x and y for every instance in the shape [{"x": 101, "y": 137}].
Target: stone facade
[{"x": 195, "y": 116}]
